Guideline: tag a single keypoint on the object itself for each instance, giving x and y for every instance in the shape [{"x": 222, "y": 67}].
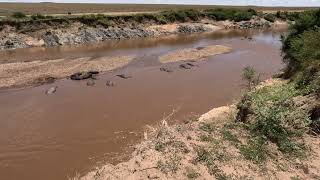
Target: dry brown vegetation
[{"x": 61, "y": 8}]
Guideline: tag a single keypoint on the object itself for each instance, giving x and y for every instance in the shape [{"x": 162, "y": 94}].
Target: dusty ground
[
  {"x": 194, "y": 53},
  {"x": 28, "y": 73},
  {"x": 208, "y": 148}
]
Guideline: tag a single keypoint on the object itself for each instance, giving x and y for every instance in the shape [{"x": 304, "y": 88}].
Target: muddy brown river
[{"x": 81, "y": 127}]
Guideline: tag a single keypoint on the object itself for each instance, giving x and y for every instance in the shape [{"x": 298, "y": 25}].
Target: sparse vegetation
[
  {"x": 255, "y": 150},
  {"x": 251, "y": 76},
  {"x": 169, "y": 165},
  {"x": 191, "y": 173},
  {"x": 207, "y": 127},
  {"x": 227, "y": 135}
]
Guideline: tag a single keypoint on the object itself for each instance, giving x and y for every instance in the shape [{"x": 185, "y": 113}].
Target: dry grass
[{"x": 60, "y": 8}]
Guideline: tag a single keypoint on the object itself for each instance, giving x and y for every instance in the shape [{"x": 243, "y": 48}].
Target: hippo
[
  {"x": 110, "y": 83},
  {"x": 91, "y": 83},
  {"x": 124, "y": 76},
  {"x": 164, "y": 69},
  {"x": 83, "y": 75},
  {"x": 185, "y": 66}
]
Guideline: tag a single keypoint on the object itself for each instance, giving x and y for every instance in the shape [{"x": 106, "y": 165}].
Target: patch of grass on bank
[
  {"x": 255, "y": 150},
  {"x": 275, "y": 118},
  {"x": 170, "y": 164},
  {"x": 191, "y": 173}
]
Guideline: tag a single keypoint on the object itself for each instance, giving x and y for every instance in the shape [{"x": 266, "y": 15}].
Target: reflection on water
[{"x": 51, "y": 137}]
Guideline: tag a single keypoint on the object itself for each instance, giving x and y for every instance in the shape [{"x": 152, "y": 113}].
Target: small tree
[
  {"x": 251, "y": 76},
  {"x": 270, "y": 17},
  {"x": 18, "y": 15}
]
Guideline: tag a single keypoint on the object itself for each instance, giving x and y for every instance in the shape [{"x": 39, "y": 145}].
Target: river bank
[
  {"x": 37, "y": 71},
  {"x": 213, "y": 146},
  {"x": 59, "y": 32}
]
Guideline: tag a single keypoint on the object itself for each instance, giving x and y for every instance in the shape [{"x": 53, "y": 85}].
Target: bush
[
  {"x": 301, "y": 49},
  {"x": 40, "y": 16},
  {"x": 251, "y": 76},
  {"x": 284, "y": 15},
  {"x": 275, "y": 116},
  {"x": 18, "y": 15},
  {"x": 221, "y": 14},
  {"x": 270, "y": 17}
]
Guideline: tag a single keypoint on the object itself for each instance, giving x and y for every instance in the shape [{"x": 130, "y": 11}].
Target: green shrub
[
  {"x": 251, "y": 76},
  {"x": 276, "y": 117},
  {"x": 305, "y": 22},
  {"x": 18, "y": 15},
  {"x": 40, "y": 16},
  {"x": 270, "y": 17},
  {"x": 221, "y": 14},
  {"x": 301, "y": 50}
]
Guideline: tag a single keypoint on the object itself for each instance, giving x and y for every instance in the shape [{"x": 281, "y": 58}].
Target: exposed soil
[{"x": 64, "y": 31}]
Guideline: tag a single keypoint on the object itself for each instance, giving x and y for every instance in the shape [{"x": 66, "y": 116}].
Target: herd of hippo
[{"x": 92, "y": 75}]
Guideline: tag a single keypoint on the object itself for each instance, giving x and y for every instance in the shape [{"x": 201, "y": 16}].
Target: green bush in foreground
[{"x": 276, "y": 118}]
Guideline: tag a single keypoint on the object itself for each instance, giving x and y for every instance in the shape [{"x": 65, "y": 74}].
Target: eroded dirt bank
[{"x": 67, "y": 33}]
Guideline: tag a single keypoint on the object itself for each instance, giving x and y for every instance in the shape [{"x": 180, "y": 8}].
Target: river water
[{"x": 81, "y": 127}]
